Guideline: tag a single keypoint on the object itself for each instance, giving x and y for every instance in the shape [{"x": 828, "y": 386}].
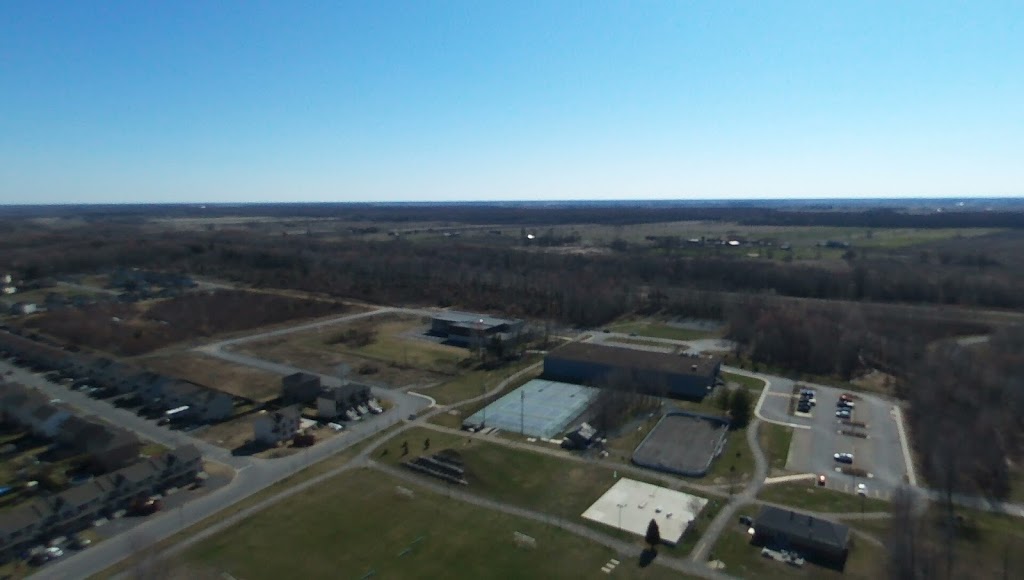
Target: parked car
[
  {"x": 335, "y": 426},
  {"x": 862, "y": 489},
  {"x": 843, "y": 457},
  {"x": 843, "y": 414},
  {"x": 747, "y": 521},
  {"x": 846, "y": 397},
  {"x": 844, "y": 405}
]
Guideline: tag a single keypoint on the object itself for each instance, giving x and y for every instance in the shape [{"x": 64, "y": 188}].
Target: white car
[
  {"x": 335, "y": 426},
  {"x": 54, "y": 552},
  {"x": 862, "y": 489}
]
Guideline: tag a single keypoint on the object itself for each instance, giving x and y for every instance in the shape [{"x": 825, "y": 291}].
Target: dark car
[{"x": 747, "y": 520}]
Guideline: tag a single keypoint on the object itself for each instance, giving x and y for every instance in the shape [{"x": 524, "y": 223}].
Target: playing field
[{"x": 358, "y": 523}]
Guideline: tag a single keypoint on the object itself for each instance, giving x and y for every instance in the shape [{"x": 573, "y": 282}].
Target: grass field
[
  {"x": 238, "y": 380},
  {"x": 744, "y": 560},
  {"x": 775, "y": 440},
  {"x": 744, "y": 381},
  {"x": 357, "y": 523},
  {"x": 661, "y": 330},
  {"x": 527, "y": 479},
  {"x": 809, "y": 496},
  {"x": 477, "y": 382}
]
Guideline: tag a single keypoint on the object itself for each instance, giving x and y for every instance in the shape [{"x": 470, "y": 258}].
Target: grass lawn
[
  {"x": 477, "y": 382},
  {"x": 736, "y": 463},
  {"x": 809, "y": 496},
  {"x": 532, "y": 480},
  {"x": 661, "y": 330},
  {"x": 357, "y": 523},
  {"x": 238, "y": 380},
  {"x": 743, "y": 381},
  {"x": 391, "y": 346},
  {"x": 638, "y": 341},
  {"x": 775, "y": 440},
  {"x": 315, "y": 470},
  {"x": 744, "y": 560}
]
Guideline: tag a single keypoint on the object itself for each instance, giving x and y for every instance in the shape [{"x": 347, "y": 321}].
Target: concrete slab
[{"x": 630, "y": 505}]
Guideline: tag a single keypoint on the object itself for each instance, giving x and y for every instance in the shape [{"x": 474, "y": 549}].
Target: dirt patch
[
  {"x": 235, "y": 379},
  {"x": 133, "y": 329}
]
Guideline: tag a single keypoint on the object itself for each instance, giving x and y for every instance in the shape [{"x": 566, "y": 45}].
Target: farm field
[{"x": 425, "y": 536}]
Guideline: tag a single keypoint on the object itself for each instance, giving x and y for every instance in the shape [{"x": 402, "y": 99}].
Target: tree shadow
[{"x": 647, "y": 557}]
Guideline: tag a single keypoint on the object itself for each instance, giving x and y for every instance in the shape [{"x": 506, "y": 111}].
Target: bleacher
[{"x": 440, "y": 465}]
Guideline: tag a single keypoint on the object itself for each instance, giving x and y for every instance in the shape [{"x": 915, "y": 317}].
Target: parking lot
[{"x": 819, "y": 435}]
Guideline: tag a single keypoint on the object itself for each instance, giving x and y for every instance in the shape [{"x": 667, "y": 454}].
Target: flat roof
[
  {"x": 470, "y": 318},
  {"x": 636, "y": 359},
  {"x": 630, "y": 505}
]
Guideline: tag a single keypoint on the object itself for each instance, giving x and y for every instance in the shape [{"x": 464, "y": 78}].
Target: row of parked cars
[
  {"x": 807, "y": 400},
  {"x": 844, "y": 407}
]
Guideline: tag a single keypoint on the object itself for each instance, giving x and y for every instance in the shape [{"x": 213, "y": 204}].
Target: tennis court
[{"x": 539, "y": 408}]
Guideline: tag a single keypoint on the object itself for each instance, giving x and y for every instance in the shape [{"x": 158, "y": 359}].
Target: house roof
[
  {"x": 82, "y": 494},
  {"x": 343, "y": 392},
  {"x": 634, "y": 359},
  {"x": 183, "y": 454},
  {"x": 24, "y": 515},
  {"x": 138, "y": 471},
  {"x": 299, "y": 378},
  {"x": 802, "y": 527}
]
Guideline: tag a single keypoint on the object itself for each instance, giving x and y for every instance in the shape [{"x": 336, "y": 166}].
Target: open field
[
  {"x": 238, "y": 380},
  {"x": 742, "y": 559},
  {"x": 807, "y": 495},
  {"x": 388, "y": 355},
  {"x": 519, "y": 477},
  {"x": 317, "y": 469},
  {"x": 661, "y": 330},
  {"x": 362, "y": 512},
  {"x": 133, "y": 329}
]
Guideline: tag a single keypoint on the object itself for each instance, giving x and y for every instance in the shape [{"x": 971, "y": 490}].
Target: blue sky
[{"x": 380, "y": 100}]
